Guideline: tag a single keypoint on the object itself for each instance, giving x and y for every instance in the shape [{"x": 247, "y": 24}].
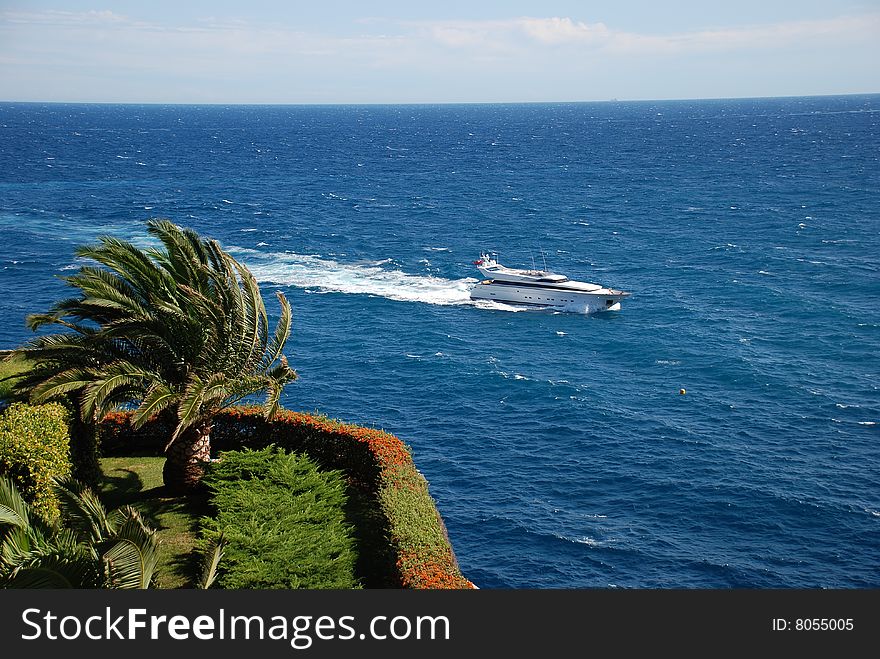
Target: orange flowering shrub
[{"x": 374, "y": 461}]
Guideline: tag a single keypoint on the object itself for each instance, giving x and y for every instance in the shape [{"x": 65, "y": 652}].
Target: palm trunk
[{"x": 186, "y": 458}]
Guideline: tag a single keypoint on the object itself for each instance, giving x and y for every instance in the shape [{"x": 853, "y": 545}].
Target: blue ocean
[{"x": 557, "y": 444}]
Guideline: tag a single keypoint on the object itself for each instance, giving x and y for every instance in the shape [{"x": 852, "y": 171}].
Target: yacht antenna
[
  {"x": 534, "y": 267},
  {"x": 545, "y": 260}
]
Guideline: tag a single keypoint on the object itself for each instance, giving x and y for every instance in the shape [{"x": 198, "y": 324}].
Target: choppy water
[{"x": 557, "y": 445}]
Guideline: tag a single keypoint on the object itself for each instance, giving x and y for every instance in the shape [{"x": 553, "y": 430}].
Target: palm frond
[
  {"x": 211, "y": 563},
  {"x": 13, "y": 508},
  {"x": 37, "y": 320},
  {"x": 132, "y": 264},
  {"x": 47, "y": 345},
  {"x": 91, "y": 280},
  {"x": 132, "y": 559},
  {"x": 216, "y": 390},
  {"x": 9, "y": 517},
  {"x": 254, "y": 318},
  {"x": 83, "y": 512},
  {"x": 183, "y": 252},
  {"x": 55, "y": 572},
  {"x": 158, "y": 398},
  {"x": 282, "y": 332},
  {"x": 98, "y": 394},
  {"x": 189, "y": 408},
  {"x": 61, "y": 383},
  {"x": 273, "y": 398}
]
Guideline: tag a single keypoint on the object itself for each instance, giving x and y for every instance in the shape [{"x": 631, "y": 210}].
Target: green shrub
[
  {"x": 283, "y": 520},
  {"x": 84, "y": 453},
  {"x": 35, "y": 450},
  {"x": 83, "y": 436}
]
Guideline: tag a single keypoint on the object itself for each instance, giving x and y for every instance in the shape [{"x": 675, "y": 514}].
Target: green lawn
[
  {"x": 8, "y": 368},
  {"x": 138, "y": 481}
]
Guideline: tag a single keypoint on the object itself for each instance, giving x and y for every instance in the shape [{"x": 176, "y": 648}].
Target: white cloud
[{"x": 561, "y": 30}]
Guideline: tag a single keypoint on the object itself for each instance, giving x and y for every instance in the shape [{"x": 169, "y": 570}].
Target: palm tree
[
  {"x": 180, "y": 330},
  {"x": 93, "y": 548}
]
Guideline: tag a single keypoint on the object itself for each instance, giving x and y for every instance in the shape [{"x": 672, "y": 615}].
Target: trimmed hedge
[
  {"x": 374, "y": 462},
  {"x": 283, "y": 521},
  {"x": 35, "y": 450},
  {"x": 84, "y": 452}
]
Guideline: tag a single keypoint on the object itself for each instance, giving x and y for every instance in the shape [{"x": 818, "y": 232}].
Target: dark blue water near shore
[{"x": 557, "y": 445}]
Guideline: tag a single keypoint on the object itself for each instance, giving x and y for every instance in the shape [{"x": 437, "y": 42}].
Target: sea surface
[{"x": 557, "y": 444}]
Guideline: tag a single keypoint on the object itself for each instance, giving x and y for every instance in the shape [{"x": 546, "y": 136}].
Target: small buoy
[{"x": 682, "y": 392}]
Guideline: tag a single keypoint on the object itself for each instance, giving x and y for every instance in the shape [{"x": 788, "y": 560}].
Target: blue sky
[{"x": 330, "y": 51}]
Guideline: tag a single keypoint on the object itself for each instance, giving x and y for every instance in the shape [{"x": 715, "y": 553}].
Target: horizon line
[{"x": 428, "y": 103}]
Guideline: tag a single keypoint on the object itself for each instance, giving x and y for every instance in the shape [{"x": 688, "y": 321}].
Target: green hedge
[
  {"x": 35, "y": 450},
  {"x": 409, "y": 537},
  {"x": 84, "y": 451},
  {"x": 283, "y": 521}
]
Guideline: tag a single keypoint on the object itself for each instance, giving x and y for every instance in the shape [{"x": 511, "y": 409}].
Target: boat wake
[{"x": 318, "y": 274}]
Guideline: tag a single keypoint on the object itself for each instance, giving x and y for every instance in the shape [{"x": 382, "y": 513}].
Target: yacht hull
[{"x": 602, "y": 299}]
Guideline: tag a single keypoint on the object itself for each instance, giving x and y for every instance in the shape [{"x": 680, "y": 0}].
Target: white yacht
[{"x": 540, "y": 288}]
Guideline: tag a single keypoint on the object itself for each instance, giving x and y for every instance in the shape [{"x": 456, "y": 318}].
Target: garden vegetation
[
  {"x": 178, "y": 336},
  {"x": 284, "y": 522},
  {"x": 34, "y": 452}
]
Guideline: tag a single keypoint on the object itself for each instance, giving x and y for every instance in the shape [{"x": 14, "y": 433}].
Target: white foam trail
[
  {"x": 498, "y": 306},
  {"x": 326, "y": 275}
]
